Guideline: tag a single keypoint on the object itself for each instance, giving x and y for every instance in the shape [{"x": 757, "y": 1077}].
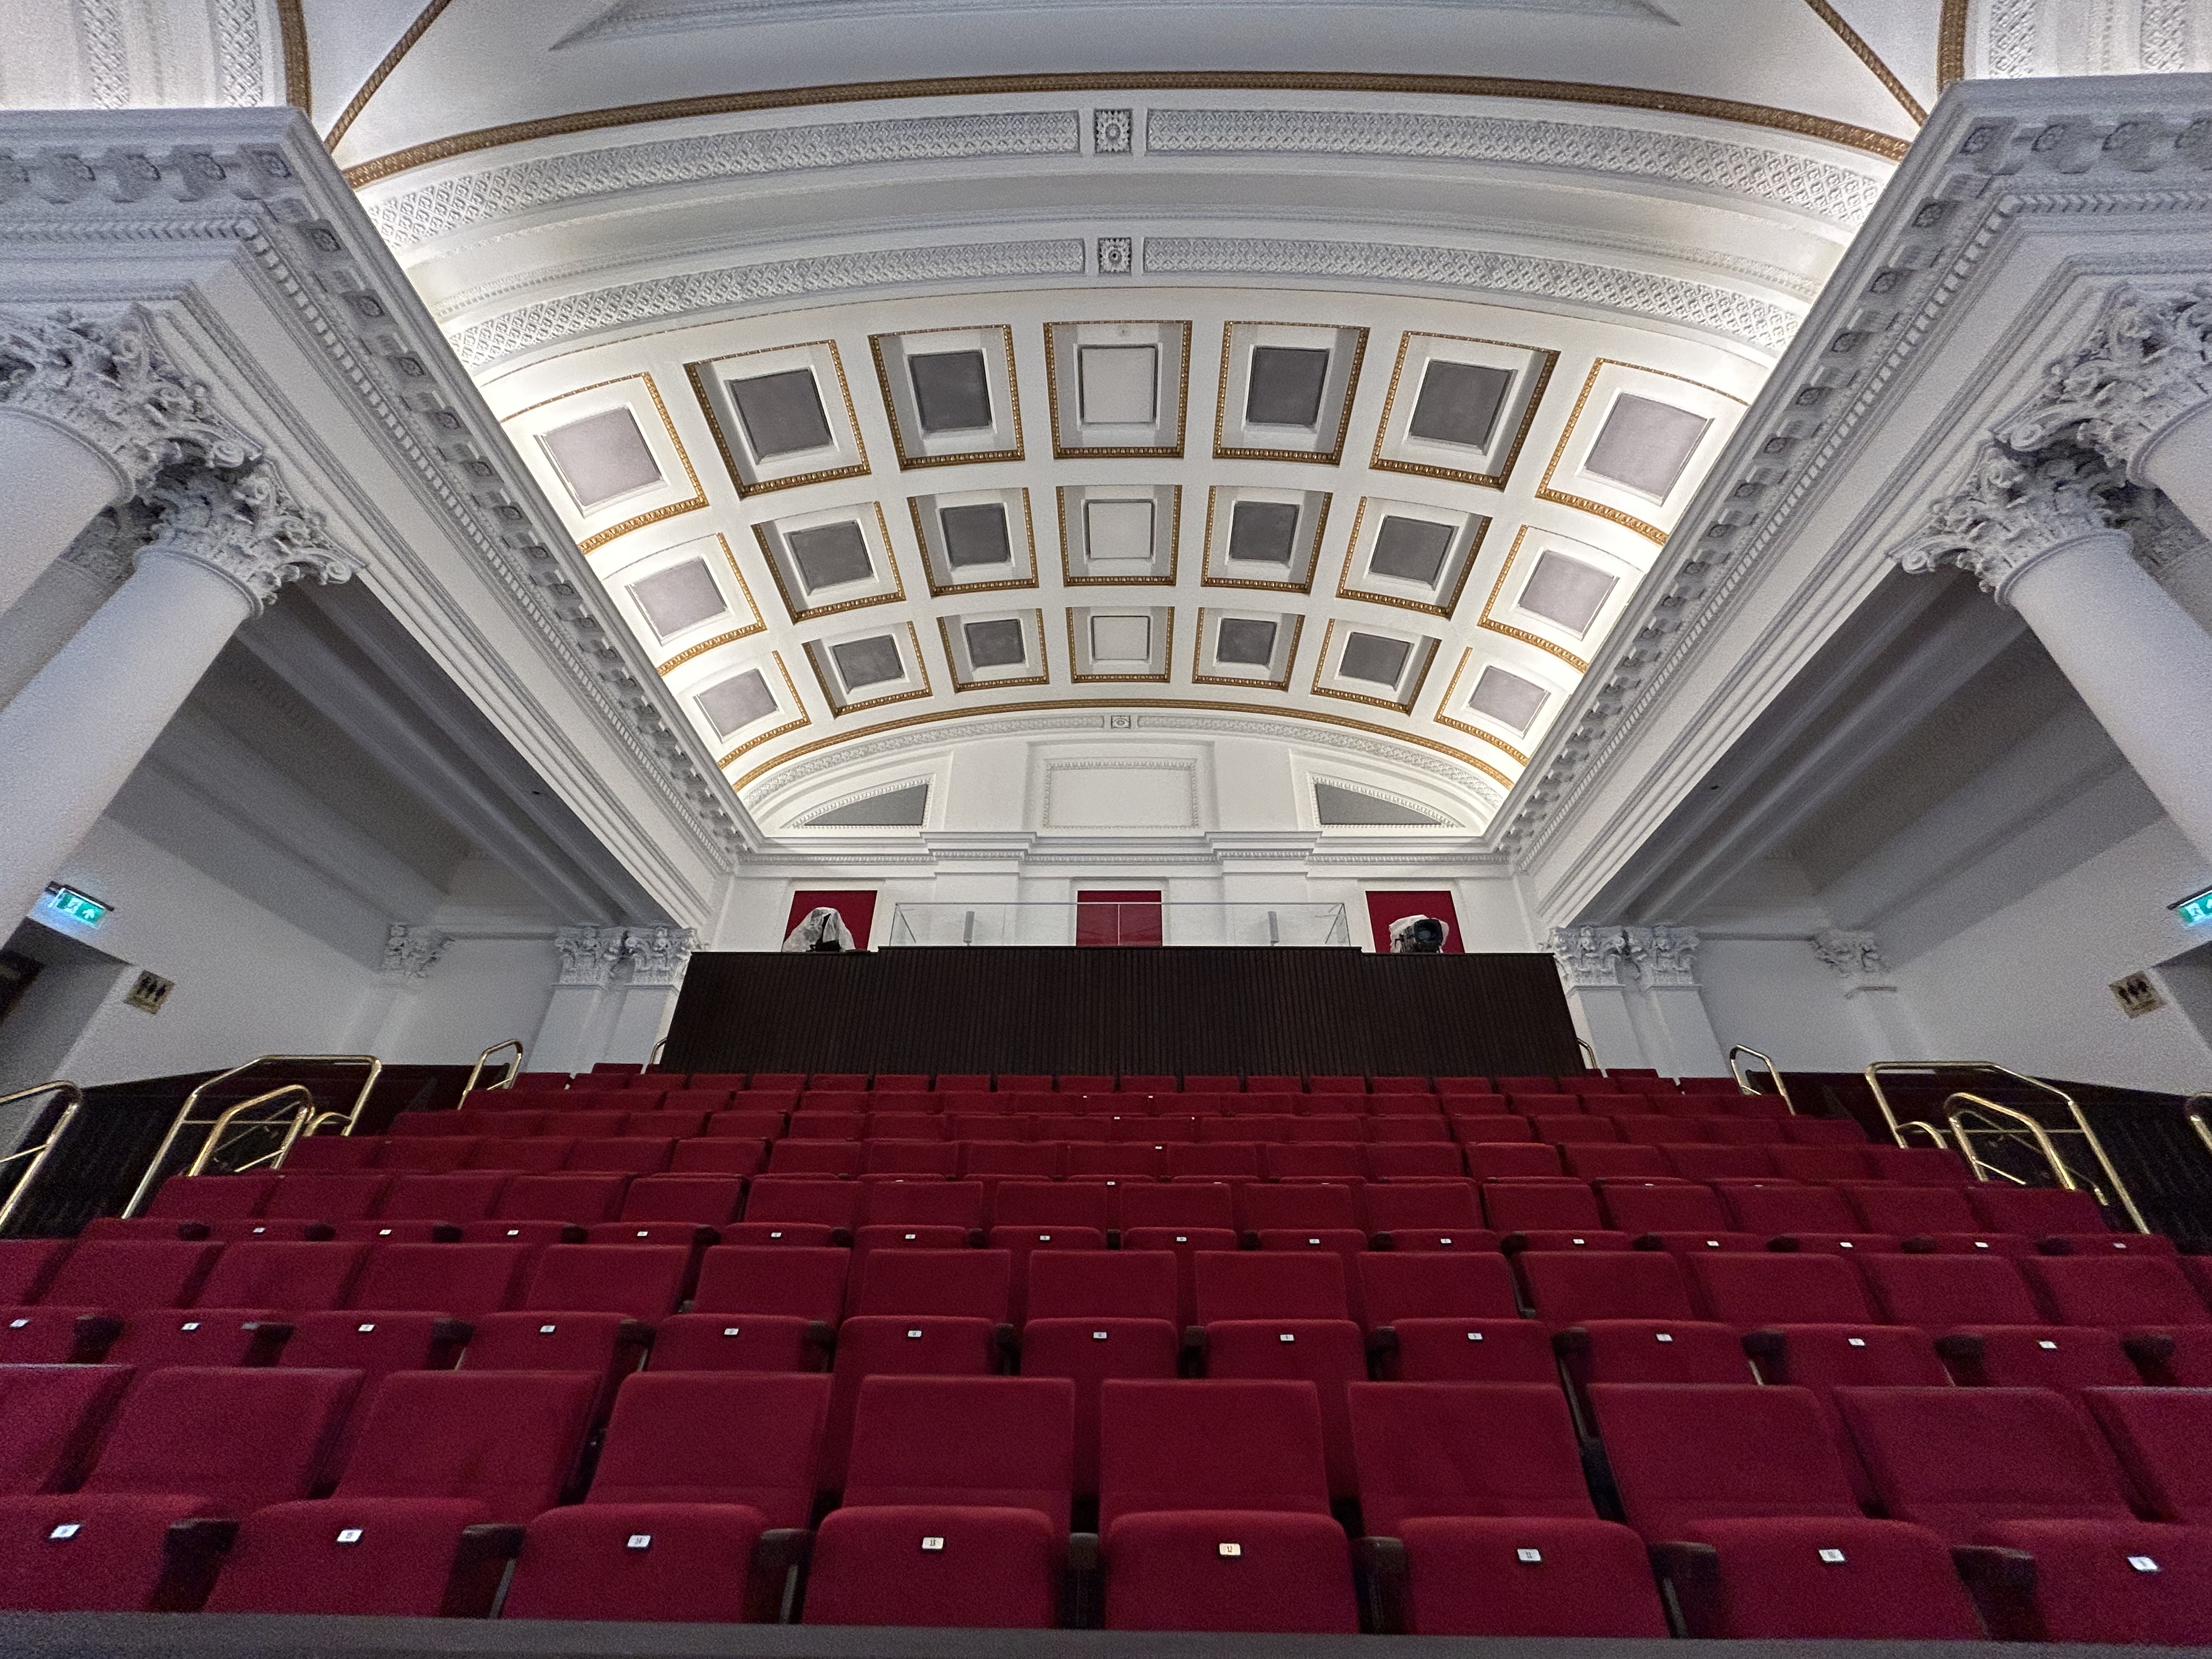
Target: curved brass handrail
[
  {"x": 40, "y": 1153},
  {"x": 514, "y": 1066},
  {"x": 1773, "y": 1070},
  {"x": 184, "y": 1120},
  {"x": 301, "y": 1114},
  {"x": 2188, "y": 1110},
  {"x": 1589, "y": 1054},
  {"x": 2040, "y": 1137}
]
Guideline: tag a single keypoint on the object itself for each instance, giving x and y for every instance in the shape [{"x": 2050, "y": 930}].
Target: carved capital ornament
[
  {"x": 2014, "y": 507},
  {"x": 248, "y": 528},
  {"x": 2146, "y": 364}
]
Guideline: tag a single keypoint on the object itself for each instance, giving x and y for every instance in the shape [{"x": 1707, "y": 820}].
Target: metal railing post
[{"x": 40, "y": 1153}]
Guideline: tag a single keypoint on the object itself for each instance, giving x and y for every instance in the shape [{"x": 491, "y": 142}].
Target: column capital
[
  {"x": 1852, "y": 953},
  {"x": 2145, "y": 364},
  {"x": 109, "y": 545},
  {"x": 588, "y": 955},
  {"x": 106, "y": 384},
  {"x": 410, "y": 953},
  {"x": 2014, "y": 507},
  {"x": 247, "y": 527},
  {"x": 658, "y": 955},
  {"x": 1664, "y": 957},
  {"x": 1587, "y": 956}
]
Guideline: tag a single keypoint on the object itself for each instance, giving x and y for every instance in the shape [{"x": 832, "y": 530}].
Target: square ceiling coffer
[
  {"x": 602, "y": 458},
  {"x": 1567, "y": 592},
  {"x": 733, "y": 704},
  {"x": 1412, "y": 549},
  {"x": 951, "y": 391},
  {"x": 995, "y": 644},
  {"x": 1118, "y": 532},
  {"x": 782, "y": 413},
  {"x": 868, "y": 662},
  {"x": 1460, "y": 402},
  {"x": 1264, "y": 533},
  {"x": 975, "y": 535},
  {"x": 679, "y": 598},
  {"x": 1507, "y": 698},
  {"x": 1122, "y": 638},
  {"x": 1245, "y": 640},
  {"x": 1375, "y": 658},
  {"x": 1121, "y": 385},
  {"x": 1644, "y": 445},
  {"x": 1286, "y": 386},
  {"x": 830, "y": 554}
]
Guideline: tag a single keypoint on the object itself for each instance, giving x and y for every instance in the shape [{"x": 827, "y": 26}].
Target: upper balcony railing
[{"x": 1109, "y": 922}]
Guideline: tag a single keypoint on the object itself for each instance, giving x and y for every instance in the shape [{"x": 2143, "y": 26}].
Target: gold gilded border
[
  {"x": 783, "y": 592},
  {"x": 929, "y": 574},
  {"x": 1167, "y": 653},
  {"x": 1450, "y": 602},
  {"x": 952, "y": 663},
  {"x": 1330, "y": 457},
  {"x": 1545, "y": 492},
  {"x": 722, "y": 438},
  {"x": 382, "y": 72},
  {"x": 1075, "y": 452},
  {"x": 292, "y": 32},
  {"x": 910, "y": 463},
  {"x": 791, "y": 686},
  {"x": 1413, "y": 696},
  {"x": 759, "y": 624},
  {"x": 1601, "y": 93},
  {"x": 1207, "y": 579},
  {"x": 1867, "y": 55},
  {"x": 1452, "y": 686},
  {"x": 591, "y": 544},
  {"x": 1547, "y": 359},
  {"x": 1069, "y": 579},
  {"x": 1198, "y": 657},
  {"x": 1511, "y": 632},
  {"x": 1269, "y": 711},
  {"x": 921, "y": 667},
  {"x": 1950, "y": 45}
]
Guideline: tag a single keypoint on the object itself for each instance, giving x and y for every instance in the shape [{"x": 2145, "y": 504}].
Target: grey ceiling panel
[
  {"x": 1460, "y": 402},
  {"x": 1120, "y": 385},
  {"x": 602, "y": 457},
  {"x": 680, "y": 597},
  {"x": 1285, "y": 385},
  {"x": 868, "y": 662},
  {"x": 1374, "y": 658},
  {"x": 1411, "y": 550},
  {"x": 1245, "y": 640},
  {"x": 950, "y": 390},
  {"x": 830, "y": 554},
  {"x": 1646, "y": 445},
  {"x": 1507, "y": 698},
  {"x": 1122, "y": 638},
  {"x": 1335, "y": 805},
  {"x": 782, "y": 413},
  {"x": 1567, "y": 592},
  {"x": 997, "y": 643},
  {"x": 975, "y": 535},
  {"x": 900, "y": 808},
  {"x": 1263, "y": 533},
  {"x": 732, "y": 704}
]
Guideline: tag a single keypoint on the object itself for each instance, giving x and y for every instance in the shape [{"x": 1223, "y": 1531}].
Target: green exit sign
[
  {"x": 79, "y": 907},
  {"x": 2194, "y": 909}
]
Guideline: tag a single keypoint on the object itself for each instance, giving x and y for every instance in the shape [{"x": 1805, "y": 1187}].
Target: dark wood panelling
[{"x": 1316, "y": 1011}]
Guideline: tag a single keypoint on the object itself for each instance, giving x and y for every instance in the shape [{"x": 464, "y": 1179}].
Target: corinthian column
[
  {"x": 2138, "y": 391},
  {"x": 89, "y": 413},
  {"x": 227, "y": 543},
  {"x": 2038, "y": 531}
]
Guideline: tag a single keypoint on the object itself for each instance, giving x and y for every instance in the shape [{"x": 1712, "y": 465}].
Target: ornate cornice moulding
[
  {"x": 253, "y": 188},
  {"x": 1994, "y": 157}
]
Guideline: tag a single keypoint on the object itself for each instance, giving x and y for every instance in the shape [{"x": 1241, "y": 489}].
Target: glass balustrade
[{"x": 1107, "y": 923}]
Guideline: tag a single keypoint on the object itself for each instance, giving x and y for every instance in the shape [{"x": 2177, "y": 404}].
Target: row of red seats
[
  {"x": 1213, "y": 1505},
  {"x": 604, "y": 1076},
  {"x": 518, "y": 1109}
]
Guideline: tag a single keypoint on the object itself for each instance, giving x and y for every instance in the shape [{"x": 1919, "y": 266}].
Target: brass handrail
[
  {"x": 2080, "y": 1125},
  {"x": 1591, "y": 1053},
  {"x": 1735, "y": 1070},
  {"x": 301, "y": 1114},
  {"x": 2040, "y": 1137},
  {"x": 514, "y": 1066},
  {"x": 40, "y": 1153},
  {"x": 183, "y": 1119},
  {"x": 2195, "y": 1118}
]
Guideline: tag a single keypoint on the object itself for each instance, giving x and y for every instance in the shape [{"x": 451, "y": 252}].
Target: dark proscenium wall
[{"x": 1117, "y": 1010}]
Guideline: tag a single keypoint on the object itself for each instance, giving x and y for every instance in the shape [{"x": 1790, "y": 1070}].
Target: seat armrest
[
  {"x": 1083, "y": 1602},
  {"x": 1383, "y": 1340},
  {"x": 1380, "y": 1564},
  {"x": 1764, "y": 1346},
  {"x": 1690, "y": 1574},
  {"x": 779, "y": 1565}
]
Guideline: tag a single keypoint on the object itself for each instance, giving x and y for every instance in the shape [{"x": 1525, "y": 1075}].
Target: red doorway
[
  {"x": 1117, "y": 918},
  {"x": 1383, "y": 909}
]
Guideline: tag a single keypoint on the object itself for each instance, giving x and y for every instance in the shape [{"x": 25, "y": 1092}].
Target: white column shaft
[
  {"x": 2138, "y": 660},
  {"x": 53, "y": 484},
  {"x": 72, "y": 736},
  {"x": 2178, "y": 461}
]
